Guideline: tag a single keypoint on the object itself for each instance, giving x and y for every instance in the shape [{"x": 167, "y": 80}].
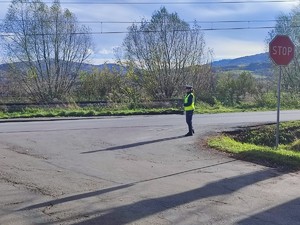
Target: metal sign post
[
  {"x": 281, "y": 50},
  {"x": 278, "y": 107}
]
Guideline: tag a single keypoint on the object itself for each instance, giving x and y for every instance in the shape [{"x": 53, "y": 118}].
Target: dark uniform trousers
[{"x": 189, "y": 117}]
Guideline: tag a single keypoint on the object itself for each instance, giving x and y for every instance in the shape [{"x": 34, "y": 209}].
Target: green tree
[
  {"x": 46, "y": 47},
  {"x": 226, "y": 89},
  {"x": 265, "y": 93},
  {"x": 100, "y": 85},
  {"x": 245, "y": 84},
  {"x": 132, "y": 88},
  {"x": 288, "y": 24},
  {"x": 232, "y": 89},
  {"x": 168, "y": 53}
]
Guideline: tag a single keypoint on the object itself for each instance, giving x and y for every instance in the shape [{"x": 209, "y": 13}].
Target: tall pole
[{"x": 278, "y": 107}]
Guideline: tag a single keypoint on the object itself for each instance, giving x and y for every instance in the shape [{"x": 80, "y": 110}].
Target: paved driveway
[{"x": 138, "y": 170}]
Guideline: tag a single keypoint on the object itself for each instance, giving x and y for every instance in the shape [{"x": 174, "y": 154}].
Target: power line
[
  {"x": 167, "y": 3},
  {"x": 194, "y": 21},
  {"x": 191, "y": 2},
  {"x": 124, "y": 32},
  {"x": 212, "y": 23},
  {"x": 202, "y": 29},
  {"x": 179, "y": 3}
]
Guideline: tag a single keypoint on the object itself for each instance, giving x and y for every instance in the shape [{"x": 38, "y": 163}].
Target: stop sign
[{"x": 281, "y": 50}]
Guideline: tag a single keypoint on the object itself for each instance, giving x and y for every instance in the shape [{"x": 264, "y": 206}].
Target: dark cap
[{"x": 188, "y": 86}]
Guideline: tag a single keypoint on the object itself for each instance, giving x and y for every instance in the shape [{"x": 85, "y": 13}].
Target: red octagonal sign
[{"x": 281, "y": 50}]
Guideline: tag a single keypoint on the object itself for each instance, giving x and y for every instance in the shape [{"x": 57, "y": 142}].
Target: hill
[
  {"x": 258, "y": 64},
  {"x": 84, "y": 67},
  {"x": 109, "y": 66}
]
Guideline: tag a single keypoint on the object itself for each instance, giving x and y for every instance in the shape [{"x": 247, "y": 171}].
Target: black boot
[{"x": 188, "y": 134}]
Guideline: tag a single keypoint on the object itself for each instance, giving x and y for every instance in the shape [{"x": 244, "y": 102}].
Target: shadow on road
[
  {"x": 133, "y": 145},
  {"x": 287, "y": 213},
  {"x": 76, "y": 197},
  {"x": 111, "y": 189},
  {"x": 144, "y": 208}
]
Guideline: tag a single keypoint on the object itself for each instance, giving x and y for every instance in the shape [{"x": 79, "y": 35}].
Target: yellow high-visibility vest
[{"x": 192, "y": 106}]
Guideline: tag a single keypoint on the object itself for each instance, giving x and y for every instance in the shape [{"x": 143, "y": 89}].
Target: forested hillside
[{"x": 258, "y": 64}]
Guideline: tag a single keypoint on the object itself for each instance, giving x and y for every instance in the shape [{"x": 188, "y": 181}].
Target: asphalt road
[{"x": 138, "y": 170}]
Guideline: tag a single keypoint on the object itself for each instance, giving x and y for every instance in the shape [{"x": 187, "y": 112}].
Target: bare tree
[
  {"x": 46, "y": 47},
  {"x": 168, "y": 52}
]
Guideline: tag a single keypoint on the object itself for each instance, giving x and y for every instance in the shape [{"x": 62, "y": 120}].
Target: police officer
[{"x": 189, "y": 107}]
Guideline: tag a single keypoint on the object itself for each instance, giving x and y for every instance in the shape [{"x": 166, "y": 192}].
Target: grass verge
[
  {"x": 282, "y": 157},
  {"x": 83, "y": 112},
  {"x": 73, "y": 110}
]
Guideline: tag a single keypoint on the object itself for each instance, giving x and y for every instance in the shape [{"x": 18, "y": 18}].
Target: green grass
[
  {"x": 74, "y": 111},
  {"x": 265, "y": 135},
  {"x": 83, "y": 112},
  {"x": 121, "y": 109},
  {"x": 218, "y": 108},
  {"x": 282, "y": 157}
]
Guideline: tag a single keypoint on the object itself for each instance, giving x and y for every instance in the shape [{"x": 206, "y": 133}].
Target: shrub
[
  {"x": 296, "y": 145},
  {"x": 266, "y": 135}
]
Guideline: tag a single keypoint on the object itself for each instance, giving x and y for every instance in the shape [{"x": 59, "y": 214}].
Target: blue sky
[{"x": 226, "y": 44}]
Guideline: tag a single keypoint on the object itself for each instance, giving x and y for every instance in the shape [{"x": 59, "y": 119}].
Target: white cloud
[
  {"x": 102, "y": 60},
  {"x": 226, "y": 44},
  {"x": 105, "y": 51},
  {"x": 227, "y": 48},
  {"x": 121, "y": 13}
]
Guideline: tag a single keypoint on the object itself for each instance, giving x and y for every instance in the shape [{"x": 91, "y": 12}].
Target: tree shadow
[
  {"x": 111, "y": 189},
  {"x": 76, "y": 197},
  {"x": 120, "y": 147},
  {"x": 144, "y": 208},
  {"x": 287, "y": 213}
]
